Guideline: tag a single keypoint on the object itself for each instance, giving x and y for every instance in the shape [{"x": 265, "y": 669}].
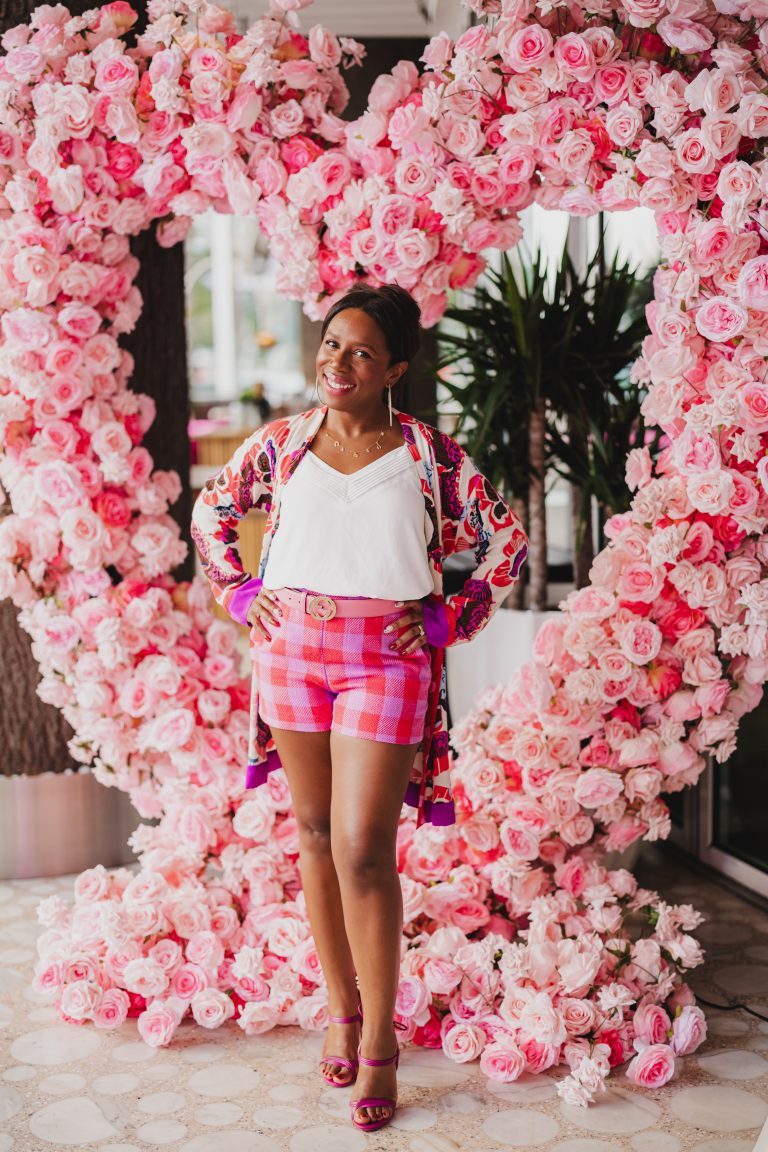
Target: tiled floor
[{"x": 65, "y": 1086}]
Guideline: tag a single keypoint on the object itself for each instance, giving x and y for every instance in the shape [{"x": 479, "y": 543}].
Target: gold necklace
[{"x": 373, "y": 448}]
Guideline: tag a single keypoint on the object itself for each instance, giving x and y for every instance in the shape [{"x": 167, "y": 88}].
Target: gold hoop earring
[
  {"x": 317, "y": 390},
  {"x": 389, "y": 403}
]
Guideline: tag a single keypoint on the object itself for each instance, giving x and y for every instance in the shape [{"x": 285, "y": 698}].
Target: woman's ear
[{"x": 396, "y": 373}]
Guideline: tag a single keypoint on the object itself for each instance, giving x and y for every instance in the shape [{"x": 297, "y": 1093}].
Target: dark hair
[{"x": 394, "y": 310}]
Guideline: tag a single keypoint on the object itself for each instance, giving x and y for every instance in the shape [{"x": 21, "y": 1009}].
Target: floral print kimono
[{"x": 465, "y": 511}]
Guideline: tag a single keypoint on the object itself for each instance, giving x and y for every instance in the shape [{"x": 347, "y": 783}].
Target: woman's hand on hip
[
  {"x": 265, "y": 608},
  {"x": 409, "y": 628}
]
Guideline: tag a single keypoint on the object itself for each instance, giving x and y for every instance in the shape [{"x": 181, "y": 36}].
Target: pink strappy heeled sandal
[
  {"x": 375, "y": 1101},
  {"x": 342, "y": 1060}
]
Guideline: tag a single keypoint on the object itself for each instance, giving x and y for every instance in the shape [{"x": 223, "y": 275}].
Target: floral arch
[{"x": 517, "y": 946}]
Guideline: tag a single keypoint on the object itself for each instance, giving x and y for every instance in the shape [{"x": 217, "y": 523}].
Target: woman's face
[{"x": 353, "y": 363}]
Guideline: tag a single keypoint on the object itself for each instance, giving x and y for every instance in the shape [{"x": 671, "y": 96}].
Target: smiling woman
[{"x": 348, "y": 625}]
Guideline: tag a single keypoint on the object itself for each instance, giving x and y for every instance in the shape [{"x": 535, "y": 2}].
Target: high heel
[
  {"x": 342, "y": 1060},
  {"x": 375, "y": 1101}
]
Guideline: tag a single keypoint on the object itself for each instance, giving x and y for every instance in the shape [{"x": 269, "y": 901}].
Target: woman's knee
[
  {"x": 315, "y": 834},
  {"x": 365, "y": 859}
]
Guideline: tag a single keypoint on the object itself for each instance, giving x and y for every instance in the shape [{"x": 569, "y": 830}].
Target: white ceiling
[{"x": 370, "y": 17}]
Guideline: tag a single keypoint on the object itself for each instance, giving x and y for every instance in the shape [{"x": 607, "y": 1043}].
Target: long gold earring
[
  {"x": 389, "y": 403},
  {"x": 317, "y": 389}
]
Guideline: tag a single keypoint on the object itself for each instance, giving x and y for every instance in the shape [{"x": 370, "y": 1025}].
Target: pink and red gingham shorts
[{"x": 340, "y": 674}]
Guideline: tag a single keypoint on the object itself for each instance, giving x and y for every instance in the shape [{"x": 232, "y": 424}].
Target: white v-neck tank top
[{"x": 359, "y": 535}]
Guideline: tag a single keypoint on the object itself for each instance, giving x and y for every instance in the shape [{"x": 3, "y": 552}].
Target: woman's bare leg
[
  {"x": 306, "y": 759},
  {"x": 369, "y": 782}
]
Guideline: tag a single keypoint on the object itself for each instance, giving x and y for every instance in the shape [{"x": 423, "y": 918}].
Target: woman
[{"x": 348, "y": 626}]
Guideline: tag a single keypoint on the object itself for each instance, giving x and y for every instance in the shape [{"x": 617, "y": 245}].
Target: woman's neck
[{"x": 352, "y": 426}]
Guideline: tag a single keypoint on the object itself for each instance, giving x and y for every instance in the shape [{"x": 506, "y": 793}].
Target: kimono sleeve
[
  {"x": 475, "y": 516},
  {"x": 244, "y": 483}
]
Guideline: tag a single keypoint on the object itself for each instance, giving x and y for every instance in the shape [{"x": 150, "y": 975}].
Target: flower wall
[{"x": 520, "y": 947}]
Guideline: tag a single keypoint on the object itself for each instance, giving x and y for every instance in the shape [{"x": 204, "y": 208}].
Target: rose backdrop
[{"x": 519, "y": 946}]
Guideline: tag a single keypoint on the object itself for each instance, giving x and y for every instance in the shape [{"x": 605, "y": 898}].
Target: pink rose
[
  {"x": 538, "y": 1055},
  {"x": 462, "y": 1041},
  {"x": 258, "y": 1016},
  {"x": 413, "y": 999},
  {"x": 752, "y": 284},
  {"x": 640, "y": 641},
  {"x": 574, "y": 55},
  {"x": 112, "y": 1009},
  {"x": 79, "y": 320},
  {"x": 324, "y": 47},
  {"x": 653, "y": 1067},
  {"x": 286, "y": 119},
  {"x": 720, "y": 319},
  {"x": 188, "y": 980},
  {"x": 711, "y": 491},
  {"x": 79, "y": 1000},
  {"x": 211, "y": 1007},
  {"x": 651, "y": 1023},
  {"x": 158, "y": 1023},
  {"x": 93, "y": 884},
  {"x": 441, "y": 976},
  {"x": 689, "y": 1030},
  {"x": 438, "y": 52},
  {"x": 204, "y": 948},
  {"x": 116, "y": 75},
  {"x": 392, "y": 214},
  {"x": 687, "y": 36},
  {"x": 711, "y": 697},
  {"x": 502, "y": 1061},
  {"x": 643, "y": 13},
  {"x": 597, "y": 786},
  {"x": 640, "y": 581},
  {"x": 611, "y": 81},
  {"x": 528, "y": 48}
]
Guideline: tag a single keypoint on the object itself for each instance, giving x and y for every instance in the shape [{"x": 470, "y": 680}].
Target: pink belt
[{"x": 326, "y": 607}]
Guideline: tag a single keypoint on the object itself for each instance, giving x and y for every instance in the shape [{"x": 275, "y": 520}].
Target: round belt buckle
[{"x": 321, "y": 608}]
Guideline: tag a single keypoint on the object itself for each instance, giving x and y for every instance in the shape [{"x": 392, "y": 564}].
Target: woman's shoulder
[
  {"x": 448, "y": 452},
  {"x": 283, "y": 428}
]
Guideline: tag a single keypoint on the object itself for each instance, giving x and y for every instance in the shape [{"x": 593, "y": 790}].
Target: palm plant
[{"x": 543, "y": 382}]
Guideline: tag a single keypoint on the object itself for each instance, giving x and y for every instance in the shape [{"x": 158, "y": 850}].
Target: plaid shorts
[{"x": 340, "y": 674}]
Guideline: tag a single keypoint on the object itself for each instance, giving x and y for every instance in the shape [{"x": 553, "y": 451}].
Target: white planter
[
  {"x": 58, "y": 823},
  {"x": 491, "y": 657}
]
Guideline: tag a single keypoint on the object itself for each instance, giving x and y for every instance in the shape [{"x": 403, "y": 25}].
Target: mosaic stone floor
[{"x": 63, "y": 1086}]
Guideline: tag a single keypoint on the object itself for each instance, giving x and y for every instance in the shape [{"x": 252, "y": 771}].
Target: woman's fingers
[
  {"x": 410, "y": 630},
  {"x": 265, "y": 608}
]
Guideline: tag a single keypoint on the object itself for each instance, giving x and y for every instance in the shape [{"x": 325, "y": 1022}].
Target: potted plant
[
  {"x": 539, "y": 367},
  {"x": 541, "y": 377}
]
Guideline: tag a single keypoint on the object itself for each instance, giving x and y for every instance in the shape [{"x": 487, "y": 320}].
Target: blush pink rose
[
  {"x": 597, "y": 786},
  {"x": 720, "y": 319},
  {"x": 640, "y": 641},
  {"x": 158, "y": 1023},
  {"x": 462, "y": 1041},
  {"x": 651, "y": 1023},
  {"x": 528, "y": 48},
  {"x": 653, "y": 1067},
  {"x": 575, "y": 56},
  {"x": 689, "y": 1030},
  {"x": 753, "y": 403},
  {"x": 112, "y": 1009},
  {"x": 502, "y": 1061},
  {"x": 258, "y": 1016},
  {"x": 211, "y": 1008},
  {"x": 752, "y": 284},
  {"x": 413, "y": 999}
]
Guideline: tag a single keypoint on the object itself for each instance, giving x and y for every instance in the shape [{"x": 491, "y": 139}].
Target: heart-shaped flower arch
[{"x": 518, "y": 943}]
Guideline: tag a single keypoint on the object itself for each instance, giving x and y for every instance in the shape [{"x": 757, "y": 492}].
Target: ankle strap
[
  {"x": 379, "y": 1063},
  {"x": 345, "y": 1019}
]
